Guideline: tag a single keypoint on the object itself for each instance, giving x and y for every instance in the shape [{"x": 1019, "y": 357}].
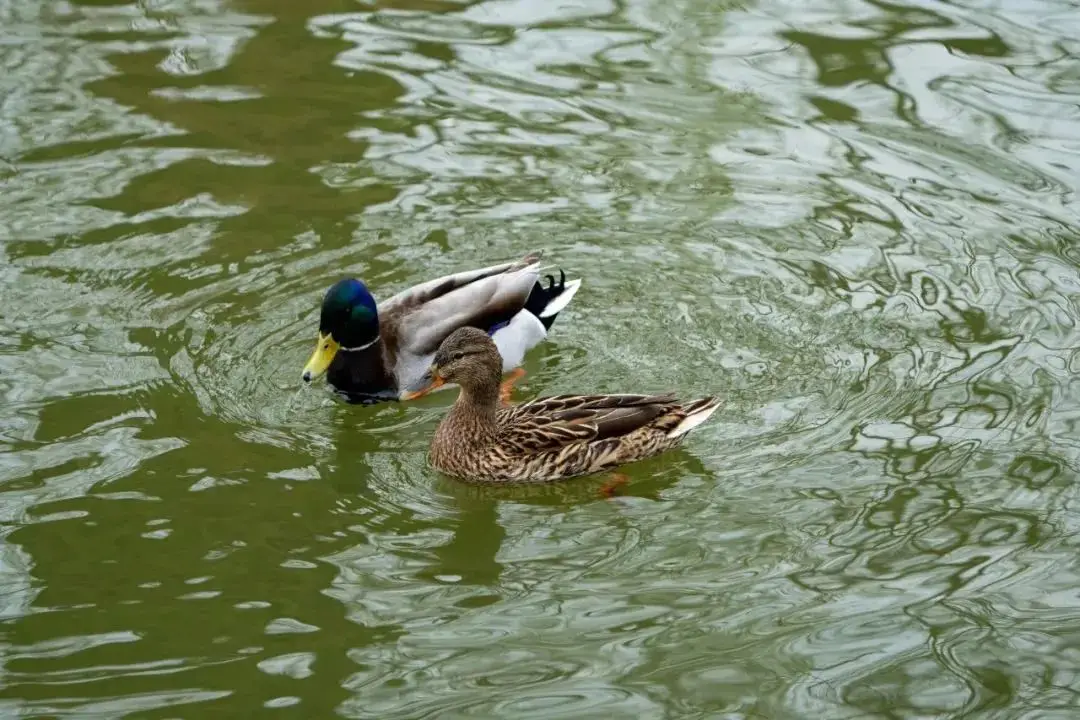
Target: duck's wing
[
  {"x": 555, "y": 422},
  {"x": 421, "y": 317}
]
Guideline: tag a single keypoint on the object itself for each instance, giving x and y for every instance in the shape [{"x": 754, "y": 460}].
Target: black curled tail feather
[{"x": 541, "y": 296}]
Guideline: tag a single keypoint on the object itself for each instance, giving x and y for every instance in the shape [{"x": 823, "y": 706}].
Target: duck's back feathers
[
  {"x": 425, "y": 315},
  {"x": 507, "y": 301},
  {"x": 570, "y": 435},
  {"x": 553, "y": 422},
  {"x": 418, "y": 295}
]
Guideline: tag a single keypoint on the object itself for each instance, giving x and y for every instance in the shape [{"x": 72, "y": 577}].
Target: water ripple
[{"x": 855, "y": 221}]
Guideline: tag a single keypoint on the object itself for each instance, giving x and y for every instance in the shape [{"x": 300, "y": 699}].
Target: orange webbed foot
[
  {"x": 507, "y": 386},
  {"x": 616, "y": 481}
]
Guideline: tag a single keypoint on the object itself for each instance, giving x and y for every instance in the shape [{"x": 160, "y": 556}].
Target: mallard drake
[
  {"x": 550, "y": 438},
  {"x": 379, "y": 353}
]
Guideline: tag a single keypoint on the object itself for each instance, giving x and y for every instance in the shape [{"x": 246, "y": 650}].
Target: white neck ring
[{"x": 358, "y": 348}]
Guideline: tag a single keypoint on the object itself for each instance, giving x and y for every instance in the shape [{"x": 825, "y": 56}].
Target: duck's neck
[
  {"x": 474, "y": 415},
  {"x": 361, "y": 371}
]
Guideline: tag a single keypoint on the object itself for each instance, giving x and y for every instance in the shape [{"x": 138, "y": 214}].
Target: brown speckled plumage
[{"x": 549, "y": 438}]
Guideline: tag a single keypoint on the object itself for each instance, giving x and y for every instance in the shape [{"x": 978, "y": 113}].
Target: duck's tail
[
  {"x": 697, "y": 412},
  {"x": 547, "y": 302}
]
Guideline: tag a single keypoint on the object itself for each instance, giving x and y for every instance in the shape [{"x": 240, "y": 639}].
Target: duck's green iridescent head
[{"x": 348, "y": 322}]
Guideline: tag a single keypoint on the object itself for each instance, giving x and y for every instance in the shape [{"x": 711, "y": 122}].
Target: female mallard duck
[
  {"x": 548, "y": 438},
  {"x": 374, "y": 354}
]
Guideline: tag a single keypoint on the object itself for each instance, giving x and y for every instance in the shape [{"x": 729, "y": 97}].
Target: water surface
[{"x": 855, "y": 221}]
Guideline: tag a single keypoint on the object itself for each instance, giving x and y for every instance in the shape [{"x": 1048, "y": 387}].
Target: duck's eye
[{"x": 457, "y": 356}]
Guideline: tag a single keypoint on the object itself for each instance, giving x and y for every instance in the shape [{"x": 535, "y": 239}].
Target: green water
[{"x": 855, "y": 221}]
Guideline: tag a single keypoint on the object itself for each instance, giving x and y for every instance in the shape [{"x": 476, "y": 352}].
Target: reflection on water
[{"x": 855, "y": 220}]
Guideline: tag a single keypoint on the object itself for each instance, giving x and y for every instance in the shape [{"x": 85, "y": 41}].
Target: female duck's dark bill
[{"x": 325, "y": 351}]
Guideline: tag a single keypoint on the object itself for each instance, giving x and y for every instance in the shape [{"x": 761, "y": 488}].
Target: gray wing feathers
[
  {"x": 471, "y": 296},
  {"x": 427, "y": 291}
]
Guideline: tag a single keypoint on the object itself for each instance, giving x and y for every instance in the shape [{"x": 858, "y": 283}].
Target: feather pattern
[
  {"x": 550, "y": 438},
  {"x": 428, "y": 313}
]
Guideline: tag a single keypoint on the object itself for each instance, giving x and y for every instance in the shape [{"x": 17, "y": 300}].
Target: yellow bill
[{"x": 324, "y": 354}]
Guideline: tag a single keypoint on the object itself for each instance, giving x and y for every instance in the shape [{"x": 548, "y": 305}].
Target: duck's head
[
  {"x": 348, "y": 322},
  {"x": 467, "y": 357}
]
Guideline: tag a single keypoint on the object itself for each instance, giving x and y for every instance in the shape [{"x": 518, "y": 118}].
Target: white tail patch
[
  {"x": 562, "y": 299},
  {"x": 523, "y": 333},
  {"x": 694, "y": 419}
]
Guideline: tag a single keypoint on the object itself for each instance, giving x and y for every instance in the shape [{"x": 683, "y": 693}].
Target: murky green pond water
[{"x": 855, "y": 220}]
